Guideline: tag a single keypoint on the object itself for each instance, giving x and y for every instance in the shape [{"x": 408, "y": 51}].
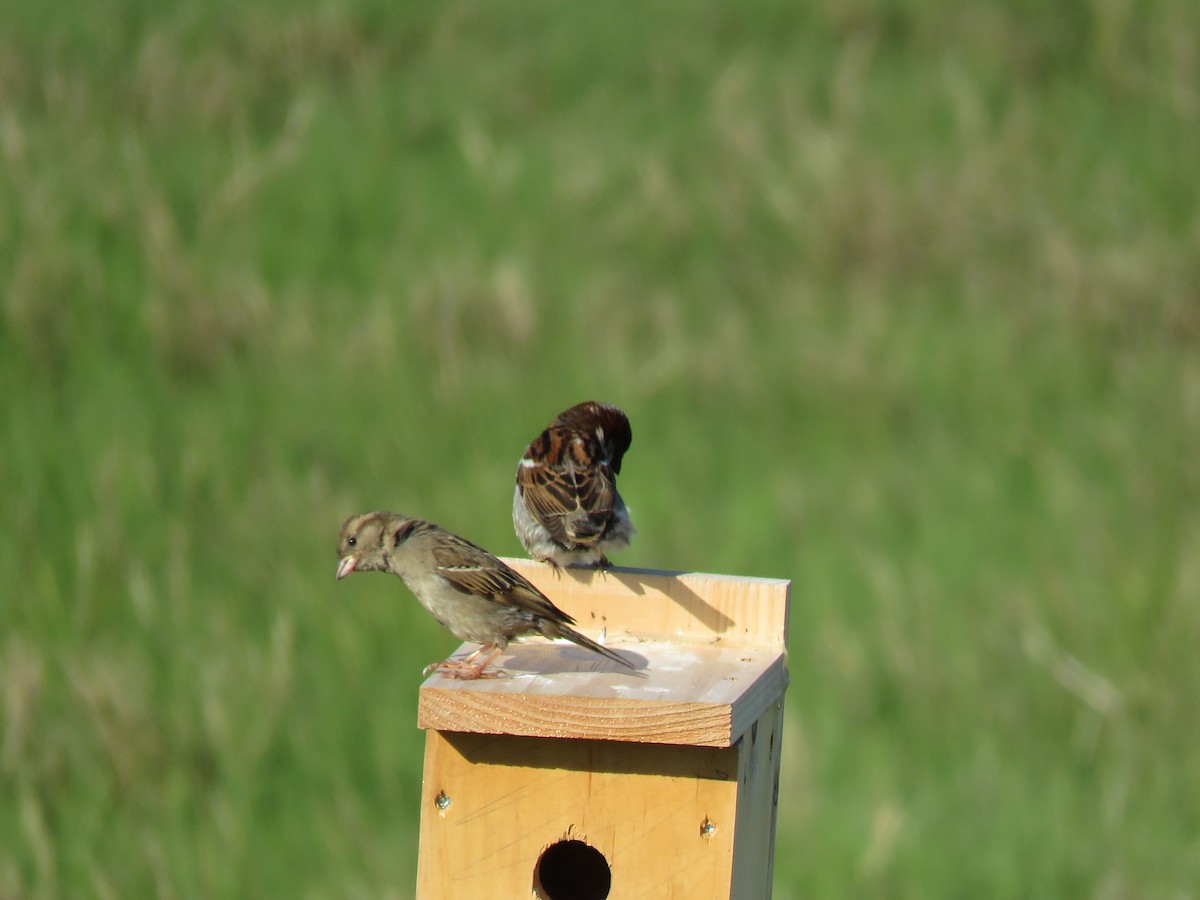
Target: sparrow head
[
  {"x": 603, "y": 427},
  {"x": 586, "y": 435},
  {"x": 362, "y": 544}
]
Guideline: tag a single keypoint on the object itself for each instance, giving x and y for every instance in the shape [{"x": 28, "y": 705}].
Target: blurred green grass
[{"x": 903, "y": 300}]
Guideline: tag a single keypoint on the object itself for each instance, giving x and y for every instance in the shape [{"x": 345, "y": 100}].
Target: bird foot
[
  {"x": 466, "y": 668},
  {"x": 449, "y": 666},
  {"x": 462, "y": 671},
  {"x": 477, "y": 674}
]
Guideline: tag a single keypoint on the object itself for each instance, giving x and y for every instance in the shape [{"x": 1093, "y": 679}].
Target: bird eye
[{"x": 352, "y": 542}]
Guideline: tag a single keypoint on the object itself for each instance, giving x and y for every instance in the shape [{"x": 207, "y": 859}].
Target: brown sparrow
[
  {"x": 468, "y": 590},
  {"x": 566, "y": 509}
]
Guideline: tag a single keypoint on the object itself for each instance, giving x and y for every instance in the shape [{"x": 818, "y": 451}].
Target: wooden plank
[
  {"x": 643, "y": 807},
  {"x": 758, "y": 801},
  {"x": 691, "y": 607},
  {"x": 681, "y": 694}
]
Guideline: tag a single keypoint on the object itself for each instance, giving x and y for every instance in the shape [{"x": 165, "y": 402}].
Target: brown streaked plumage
[
  {"x": 566, "y": 508},
  {"x": 472, "y": 593}
]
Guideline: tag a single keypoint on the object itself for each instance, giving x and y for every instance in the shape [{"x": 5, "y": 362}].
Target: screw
[
  {"x": 442, "y": 801},
  {"x": 707, "y": 828}
]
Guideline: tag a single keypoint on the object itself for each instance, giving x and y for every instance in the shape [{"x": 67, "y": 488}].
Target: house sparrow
[
  {"x": 468, "y": 590},
  {"x": 566, "y": 509}
]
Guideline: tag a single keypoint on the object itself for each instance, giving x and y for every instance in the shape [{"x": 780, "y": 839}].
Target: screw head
[
  {"x": 442, "y": 801},
  {"x": 707, "y": 828}
]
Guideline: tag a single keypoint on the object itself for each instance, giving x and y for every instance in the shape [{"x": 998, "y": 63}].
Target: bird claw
[
  {"x": 481, "y": 674},
  {"x": 450, "y": 667},
  {"x": 462, "y": 671},
  {"x": 465, "y": 668}
]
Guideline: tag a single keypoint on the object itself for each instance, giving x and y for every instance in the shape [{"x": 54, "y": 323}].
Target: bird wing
[
  {"x": 567, "y": 483},
  {"x": 473, "y": 570}
]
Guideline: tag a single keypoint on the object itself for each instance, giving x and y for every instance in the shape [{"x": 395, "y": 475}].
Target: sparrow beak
[{"x": 346, "y": 566}]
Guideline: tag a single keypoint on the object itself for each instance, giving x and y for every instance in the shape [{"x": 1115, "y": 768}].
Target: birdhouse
[{"x": 569, "y": 776}]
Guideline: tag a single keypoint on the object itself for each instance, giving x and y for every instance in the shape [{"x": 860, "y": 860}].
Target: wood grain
[
  {"x": 704, "y": 696},
  {"x": 759, "y": 757},
  {"x": 641, "y": 806},
  {"x": 692, "y": 607}
]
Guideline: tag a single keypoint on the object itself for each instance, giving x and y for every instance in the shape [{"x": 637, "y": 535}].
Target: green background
[{"x": 902, "y": 299}]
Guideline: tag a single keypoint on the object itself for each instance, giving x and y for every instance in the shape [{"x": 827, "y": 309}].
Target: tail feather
[{"x": 583, "y": 641}]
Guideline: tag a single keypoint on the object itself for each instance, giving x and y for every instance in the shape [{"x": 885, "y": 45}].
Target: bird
[
  {"x": 566, "y": 508},
  {"x": 468, "y": 590}
]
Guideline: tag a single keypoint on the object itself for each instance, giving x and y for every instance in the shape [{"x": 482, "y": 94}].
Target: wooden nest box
[{"x": 572, "y": 778}]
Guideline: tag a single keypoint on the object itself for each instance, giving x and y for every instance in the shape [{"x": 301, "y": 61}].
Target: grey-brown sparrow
[{"x": 468, "y": 590}]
